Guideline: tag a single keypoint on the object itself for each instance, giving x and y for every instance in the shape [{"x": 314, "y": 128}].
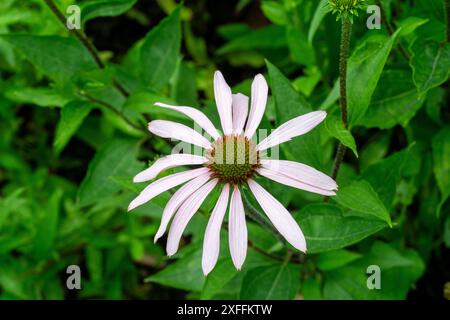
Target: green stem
[
  {"x": 346, "y": 31},
  {"x": 79, "y": 34},
  {"x": 447, "y": 18},
  {"x": 343, "y": 59},
  {"x": 254, "y": 215},
  {"x": 114, "y": 110}
]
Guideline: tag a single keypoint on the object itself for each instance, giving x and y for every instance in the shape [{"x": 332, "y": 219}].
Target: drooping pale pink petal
[
  {"x": 279, "y": 216},
  {"x": 177, "y": 199},
  {"x": 199, "y": 117},
  {"x": 301, "y": 172},
  {"x": 167, "y": 162},
  {"x": 178, "y": 131},
  {"x": 211, "y": 241},
  {"x": 237, "y": 229},
  {"x": 258, "y": 105},
  {"x": 222, "y": 94},
  {"x": 240, "y": 112},
  {"x": 292, "y": 129},
  {"x": 164, "y": 184},
  {"x": 283, "y": 179},
  {"x": 184, "y": 215}
]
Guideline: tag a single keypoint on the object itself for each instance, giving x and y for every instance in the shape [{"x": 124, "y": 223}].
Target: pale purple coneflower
[{"x": 216, "y": 169}]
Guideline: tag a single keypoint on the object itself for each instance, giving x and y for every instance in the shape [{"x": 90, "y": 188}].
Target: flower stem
[
  {"x": 254, "y": 214},
  {"x": 343, "y": 58},
  {"x": 79, "y": 34},
  {"x": 346, "y": 31}
]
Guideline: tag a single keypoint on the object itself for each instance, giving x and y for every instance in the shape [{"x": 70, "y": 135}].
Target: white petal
[
  {"x": 292, "y": 129},
  {"x": 240, "y": 112},
  {"x": 237, "y": 230},
  {"x": 199, "y": 117},
  {"x": 281, "y": 178},
  {"x": 177, "y": 199},
  {"x": 164, "y": 184},
  {"x": 259, "y": 100},
  {"x": 167, "y": 162},
  {"x": 301, "y": 172},
  {"x": 222, "y": 93},
  {"x": 178, "y": 131},
  {"x": 279, "y": 216},
  {"x": 185, "y": 213},
  {"x": 211, "y": 242}
]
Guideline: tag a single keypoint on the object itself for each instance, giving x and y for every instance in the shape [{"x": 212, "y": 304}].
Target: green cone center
[{"x": 233, "y": 159}]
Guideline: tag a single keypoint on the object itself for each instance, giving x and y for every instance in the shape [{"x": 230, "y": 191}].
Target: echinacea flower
[{"x": 231, "y": 161}]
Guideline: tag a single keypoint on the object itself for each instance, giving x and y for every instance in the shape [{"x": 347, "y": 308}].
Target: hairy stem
[
  {"x": 346, "y": 31},
  {"x": 79, "y": 34},
  {"x": 343, "y": 59}
]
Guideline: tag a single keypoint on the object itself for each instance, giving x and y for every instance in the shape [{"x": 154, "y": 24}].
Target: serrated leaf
[
  {"x": 276, "y": 282},
  {"x": 327, "y": 228},
  {"x": 360, "y": 197}
]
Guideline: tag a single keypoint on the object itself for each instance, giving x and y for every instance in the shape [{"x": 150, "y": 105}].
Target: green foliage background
[{"x": 73, "y": 136}]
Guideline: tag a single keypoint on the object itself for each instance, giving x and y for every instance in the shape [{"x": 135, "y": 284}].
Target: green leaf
[
  {"x": 72, "y": 116},
  {"x": 40, "y": 96},
  {"x": 441, "y": 156},
  {"x": 184, "y": 90},
  {"x": 384, "y": 175},
  {"x": 395, "y": 101},
  {"x": 399, "y": 270},
  {"x": 360, "y": 197},
  {"x": 105, "y": 8},
  {"x": 319, "y": 14},
  {"x": 364, "y": 70},
  {"x": 185, "y": 274},
  {"x": 430, "y": 62},
  {"x": 276, "y": 282},
  {"x": 288, "y": 105},
  {"x": 335, "y": 128},
  {"x": 301, "y": 50},
  {"x": 270, "y": 37},
  {"x": 335, "y": 259},
  {"x": 327, "y": 228},
  {"x": 57, "y": 57},
  {"x": 274, "y": 11},
  {"x": 115, "y": 158},
  {"x": 160, "y": 51},
  {"x": 48, "y": 226}
]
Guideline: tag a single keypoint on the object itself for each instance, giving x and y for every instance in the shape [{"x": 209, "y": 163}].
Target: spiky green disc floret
[
  {"x": 345, "y": 8},
  {"x": 233, "y": 159}
]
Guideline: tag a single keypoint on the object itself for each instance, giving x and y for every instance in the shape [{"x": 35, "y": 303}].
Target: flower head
[
  {"x": 231, "y": 161},
  {"x": 345, "y": 8}
]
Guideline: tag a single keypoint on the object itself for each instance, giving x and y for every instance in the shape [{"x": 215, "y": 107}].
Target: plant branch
[
  {"x": 346, "y": 31},
  {"x": 114, "y": 110},
  {"x": 79, "y": 34}
]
